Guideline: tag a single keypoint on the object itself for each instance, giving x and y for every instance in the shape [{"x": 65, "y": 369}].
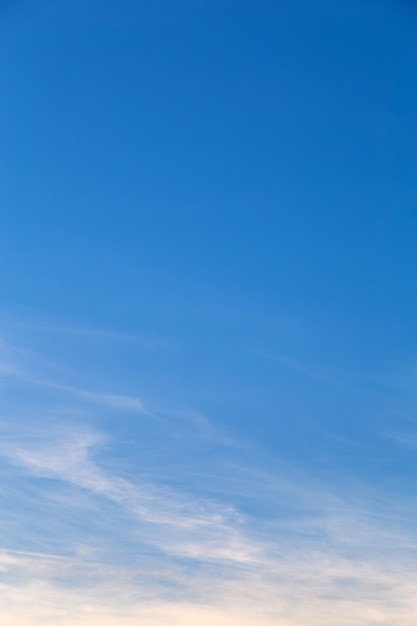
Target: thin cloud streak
[
  {"x": 12, "y": 365},
  {"x": 297, "y": 366},
  {"x": 195, "y": 528},
  {"x": 115, "y": 401},
  {"x": 149, "y": 341}
]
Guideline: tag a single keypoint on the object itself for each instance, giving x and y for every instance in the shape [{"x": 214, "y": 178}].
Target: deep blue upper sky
[
  {"x": 238, "y": 176},
  {"x": 212, "y": 206}
]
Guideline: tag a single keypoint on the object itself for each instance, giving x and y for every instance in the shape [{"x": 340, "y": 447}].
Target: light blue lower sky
[{"x": 122, "y": 500}]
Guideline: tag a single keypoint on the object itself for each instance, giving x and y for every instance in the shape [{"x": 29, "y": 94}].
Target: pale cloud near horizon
[
  {"x": 313, "y": 589},
  {"x": 332, "y": 557},
  {"x": 242, "y": 576}
]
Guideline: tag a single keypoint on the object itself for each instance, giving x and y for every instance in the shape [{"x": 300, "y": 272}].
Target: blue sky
[{"x": 207, "y": 312}]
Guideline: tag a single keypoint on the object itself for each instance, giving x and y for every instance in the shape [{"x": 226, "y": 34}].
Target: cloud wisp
[
  {"x": 185, "y": 526},
  {"x": 298, "y": 366},
  {"x": 138, "y": 543},
  {"x": 211, "y": 561}
]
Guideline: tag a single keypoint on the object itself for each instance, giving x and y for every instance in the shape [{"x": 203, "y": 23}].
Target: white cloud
[
  {"x": 192, "y": 527},
  {"x": 329, "y": 557},
  {"x": 305, "y": 588},
  {"x": 332, "y": 570}
]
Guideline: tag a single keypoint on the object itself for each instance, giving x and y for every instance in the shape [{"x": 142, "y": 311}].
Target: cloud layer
[{"x": 91, "y": 539}]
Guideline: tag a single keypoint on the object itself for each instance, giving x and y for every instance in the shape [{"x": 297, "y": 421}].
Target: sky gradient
[{"x": 208, "y": 312}]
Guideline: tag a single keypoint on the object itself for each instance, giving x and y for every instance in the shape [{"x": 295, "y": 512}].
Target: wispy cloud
[
  {"x": 110, "y": 400},
  {"x": 24, "y": 367},
  {"x": 186, "y": 526},
  {"x": 303, "y": 587},
  {"x": 305, "y": 369},
  {"x": 147, "y": 340},
  {"x": 335, "y": 566},
  {"x": 130, "y": 544}
]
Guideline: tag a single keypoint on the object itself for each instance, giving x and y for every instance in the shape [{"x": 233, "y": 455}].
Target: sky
[{"x": 208, "y": 304}]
